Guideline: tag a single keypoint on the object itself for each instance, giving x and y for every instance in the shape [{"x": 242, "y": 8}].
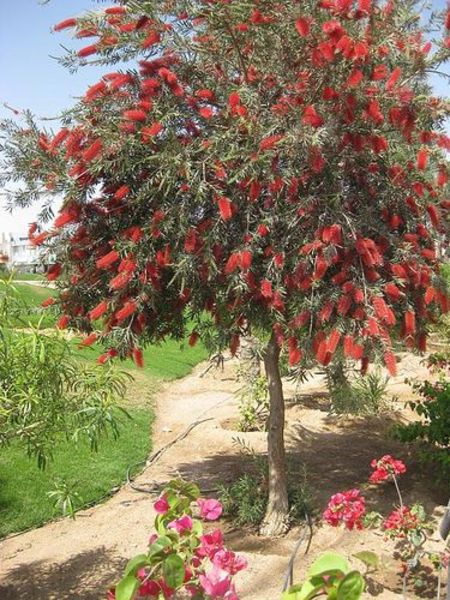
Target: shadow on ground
[{"x": 87, "y": 575}]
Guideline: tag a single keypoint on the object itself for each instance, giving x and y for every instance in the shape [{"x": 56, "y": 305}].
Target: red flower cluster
[
  {"x": 346, "y": 507},
  {"x": 386, "y": 467}
]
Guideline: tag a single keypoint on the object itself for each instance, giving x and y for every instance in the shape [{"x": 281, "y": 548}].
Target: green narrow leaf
[
  {"x": 173, "y": 570},
  {"x": 351, "y": 587},
  {"x": 126, "y": 588}
]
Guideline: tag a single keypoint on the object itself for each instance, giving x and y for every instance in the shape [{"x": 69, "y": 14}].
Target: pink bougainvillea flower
[
  {"x": 210, "y": 544},
  {"x": 161, "y": 505},
  {"x": 182, "y": 524},
  {"x": 229, "y": 561},
  {"x": 400, "y": 522},
  {"x": 210, "y": 509},
  {"x": 385, "y": 467},
  {"x": 217, "y": 584},
  {"x": 346, "y": 507}
]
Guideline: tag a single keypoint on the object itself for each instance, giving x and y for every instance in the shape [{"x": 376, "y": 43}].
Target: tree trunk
[{"x": 276, "y": 518}]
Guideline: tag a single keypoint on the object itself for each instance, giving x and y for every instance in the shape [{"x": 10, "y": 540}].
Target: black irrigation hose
[
  {"x": 289, "y": 578},
  {"x": 157, "y": 455}
]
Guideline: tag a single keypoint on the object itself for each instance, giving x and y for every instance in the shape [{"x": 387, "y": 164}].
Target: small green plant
[
  {"x": 330, "y": 576},
  {"x": 360, "y": 395},
  {"x": 245, "y": 500},
  {"x": 65, "y": 497},
  {"x": 433, "y": 428},
  {"x": 254, "y": 405}
]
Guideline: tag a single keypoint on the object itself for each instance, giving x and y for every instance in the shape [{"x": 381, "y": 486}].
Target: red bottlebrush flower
[
  {"x": 348, "y": 508},
  {"x": 67, "y": 216},
  {"x": 303, "y": 26},
  {"x": 245, "y": 260},
  {"x": 153, "y": 38},
  {"x": 121, "y": 192},
  {"x": 395, "y": 76},
  {"x": 107, "y": 260},
  {"x": 135, "y": 114},
  {"x": 391, "y": 363},
  {"x": 205, "y": 94},
  {"x": 410, "y": 322},
  {"x": 385, "y": 468},
  {"x": 348, "y": 345},
  {"x": 372, "y": 327},
  {"x": 365, "y": 6},
  {"x": 149, "y": 132},
  {"x": 59, "y": 137},
  {"x": 380, "y": 307},
  {"x": 321, "y": 267},
  {"x": 379, "y": 72},
  {"x": 294, "y": 353},
  {"x": 48, "y": 302},
  {"x": 234, "y": 100},
  {"x": 225, "y": 208},
  {"x": 66, "y": 24},
  {"x": 38, "y": 240},
  {"x": 98, "y": 311},
  {"x": 128, "y": 309},
  {"x": 266, "y": 288},
  {"x": 323, "y": 355},
  {"x": 89, "y": 340},
  {"x": 193, "y": 339},
  {"x": 54, "y": 272},
  {"x": 422, "y": 159},
  {"x": 138, "y": 357},
  {"x": 63, "y": 321},
  {"x": 87, "y": 51},
  {"x": 270, "y": 142},
  {"x": 333, "y": 341},
  {"x": 344, "y": 305},
  {"x": 422, "y": 342},
  {"x": 442, "y": 178},
  {"x": 206, "y": 112},
  {"x": 399, "y": 271},
  {"x": 116, "y": 10},
  {"x": 325, "y": 312},
  {"x": 433, "y": 213},
  {"x": 430, "y": 295},
  {"x": 92, "y": 151},
  {"x": 355, "y": 78},
  {"x": 392, "y": 291},
  {"x": 262, "y": 230},
  {"x": 121, "y": 280},
  {"x": 311, "y": 117}
]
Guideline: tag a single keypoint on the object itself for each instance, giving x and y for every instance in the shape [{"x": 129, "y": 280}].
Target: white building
[{"x": 16, "y": 253}]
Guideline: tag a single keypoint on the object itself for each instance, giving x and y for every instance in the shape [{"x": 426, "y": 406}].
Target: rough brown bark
[{"x": 276, "y": 518}]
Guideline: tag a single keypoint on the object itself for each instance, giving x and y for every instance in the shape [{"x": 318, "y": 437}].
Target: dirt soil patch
[{"x": 67, "y": 560}]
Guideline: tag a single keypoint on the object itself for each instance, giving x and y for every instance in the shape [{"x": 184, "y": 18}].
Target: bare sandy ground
[{"x": 67, "y": 559}]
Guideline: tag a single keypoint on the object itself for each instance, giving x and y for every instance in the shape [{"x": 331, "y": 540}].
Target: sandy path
[{"x": 68, "y": 559}]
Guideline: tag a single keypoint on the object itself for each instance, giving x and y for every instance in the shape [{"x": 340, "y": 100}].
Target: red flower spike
[
  {"x": 391, "y": 363},
  {"x": 66, "y": 24},
  {"x": 225, "y": 208},
  {"x": 106, "y": 261},
  {"x": 303, "y": 26},
  {"x": 128, "y": 309},
  {"x": 87, "y": 51},
  {"x": 63, "y": 322},
  {"x": 410, "y": 322},
  {"x": 422, "y": 159},
  {"x": 193, "y": 339},
  {"x": 138, "y": 357},
  {"x": 98, "y": 311},
  {"x": 89, "y": 340}
]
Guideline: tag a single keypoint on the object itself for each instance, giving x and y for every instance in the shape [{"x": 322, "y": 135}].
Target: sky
[{"x": 32, "y": 79}]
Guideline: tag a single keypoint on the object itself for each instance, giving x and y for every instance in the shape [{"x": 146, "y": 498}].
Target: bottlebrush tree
[{"x": 278, "y": 166}]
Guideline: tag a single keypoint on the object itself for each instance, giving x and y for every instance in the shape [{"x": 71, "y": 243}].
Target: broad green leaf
[
  {"x": 351, "y": 587},
  {"x": 126, "y": 588},
  {"x": 370, "y": 559},
  {"x": 330, "y": 561},
  {"x": 173, "y": 570},
  {"x": 161, "y": 543},
  {"x": 331, "y": 577},
  {"x": 139, "y": 561}
]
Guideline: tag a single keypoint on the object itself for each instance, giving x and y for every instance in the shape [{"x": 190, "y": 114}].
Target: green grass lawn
[
  {"x": 23, "y": 487},
  {"x": 23, "y": 276}
]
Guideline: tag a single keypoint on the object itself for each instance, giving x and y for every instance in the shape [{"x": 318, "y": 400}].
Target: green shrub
[{"x": 433, "y": 429}]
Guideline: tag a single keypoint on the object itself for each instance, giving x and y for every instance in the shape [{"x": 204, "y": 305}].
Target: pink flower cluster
[
  {"x": 400, "y": 522},
  {"x": 386, "y": 467},
  {"x": 346, "y": 507}
]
